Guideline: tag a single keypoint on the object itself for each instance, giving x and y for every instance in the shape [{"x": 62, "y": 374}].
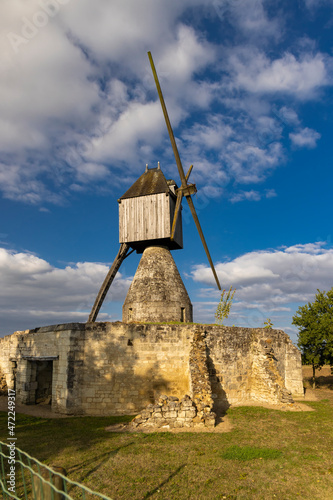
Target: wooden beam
[{"x": 122, "y": 254}]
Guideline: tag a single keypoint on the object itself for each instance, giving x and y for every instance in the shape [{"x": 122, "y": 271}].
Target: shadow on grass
[
  {"x": 325, "y": 381},
  {"x": 155, "y": 490},
  {"x": 104, "y": 457},
  {"x": 323, "y": 378}
]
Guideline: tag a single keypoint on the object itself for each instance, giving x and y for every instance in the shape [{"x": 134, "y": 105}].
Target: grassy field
[{"x": 268, "y": 454}]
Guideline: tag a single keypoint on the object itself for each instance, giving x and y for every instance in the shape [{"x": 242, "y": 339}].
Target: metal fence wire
[{"x": 36, "y": 481}]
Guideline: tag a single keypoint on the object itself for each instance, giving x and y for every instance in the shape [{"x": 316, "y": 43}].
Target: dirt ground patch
[
  {"x": 40, "y": 410},
  {"x": 223, "y": 425},
  {"x": 324, "y": 377},
  {"x": 324, "y": 382}
]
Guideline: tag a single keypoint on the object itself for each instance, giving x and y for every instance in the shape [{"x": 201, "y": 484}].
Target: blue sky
[{"x": 248, "y": 86}]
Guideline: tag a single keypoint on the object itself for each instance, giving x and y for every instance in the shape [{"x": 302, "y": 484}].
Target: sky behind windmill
[{"x": 248, "y": 86}]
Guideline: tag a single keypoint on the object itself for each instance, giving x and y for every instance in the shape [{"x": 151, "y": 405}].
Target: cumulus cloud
[
  {"x": 269, "y": 283},
  {"x": 79, "y": 101},
  {"x": 252, "y": 195},
  {"x": 247, "y": 149},
  {"x": 300, "y": 77},
  {"x": 250, "y": 18},
  {"x": 246, "y": 195},
  {"x": 288, "y": 115},
  {"x": 34, "y": 293},
  {"x": 305, "y": 138},
  {"x": 315, "y": 4},
  {"x": 299, "y": 269},
  {"x": 248, "y": 163},
  {"x": 76, "y": 84}
]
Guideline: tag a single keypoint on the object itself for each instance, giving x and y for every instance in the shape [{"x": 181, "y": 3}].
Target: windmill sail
[{"x": 186, "y": 189}]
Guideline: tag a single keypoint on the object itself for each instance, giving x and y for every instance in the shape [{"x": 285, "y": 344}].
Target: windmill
[{"x": 150, "y": 223}]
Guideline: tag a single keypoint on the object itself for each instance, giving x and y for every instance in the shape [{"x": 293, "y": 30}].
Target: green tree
[
  {"x": 315, "y": 337},
  {"x": 223, "y": 308}
]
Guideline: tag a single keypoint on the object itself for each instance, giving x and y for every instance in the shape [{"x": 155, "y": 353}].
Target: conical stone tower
[{"x": 157, "y": 293}]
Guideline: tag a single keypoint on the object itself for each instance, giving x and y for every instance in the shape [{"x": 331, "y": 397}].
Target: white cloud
[
  {"x": 248, "y": 149},
  {"x": 34, "y": 293},
  {"x": 79, "y": 101},
  {"x": 288, "y": 115},
  {"x": 305, "y": 138},
  {"x": 185, "y": 56},
  {"x": 249, "y": 17},
  {"x": 21, "y": 184},
  {"x": 76, "y": 83},
  {"x": 248, "y": 163},
  {"x": 269, "y": 284},
  {"x": 315, "y": 4},
  {"x": 120, "y": 142},
  {"x": 286, "y": 275},
  {"x": 307, "y": 248},
  {"x": 246, "y": 195},
  {"x": 300, "y": 77},
  {"x": 212, "y": 135},
  {"x": 252, "y": 195},
  {"x": 270, "y": 193}
]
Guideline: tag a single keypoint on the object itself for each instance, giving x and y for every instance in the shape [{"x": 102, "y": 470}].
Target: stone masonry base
[{"x": 121, "y": 368}]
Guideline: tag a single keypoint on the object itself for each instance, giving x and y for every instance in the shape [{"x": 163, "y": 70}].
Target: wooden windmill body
[
  {"x": 150, "y": 223},
  {"x": 146, "y": 212}
]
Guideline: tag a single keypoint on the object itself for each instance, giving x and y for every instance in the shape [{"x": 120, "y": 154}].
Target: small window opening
[
  {"x": 130, "y": 314},
  {"x": 182, "y": 314}
]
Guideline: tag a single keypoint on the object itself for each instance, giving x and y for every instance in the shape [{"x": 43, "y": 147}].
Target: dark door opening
[{"x": 44, "y": 371}]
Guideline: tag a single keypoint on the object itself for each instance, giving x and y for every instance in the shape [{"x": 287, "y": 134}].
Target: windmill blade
[
  {"x": 168, "y": 124},
  {"x": 188, "y": 173},
  {"x": 197, "y": 223},
  {"x": 186, "y": 189},
  {"x": 122, "y": 254},
  {"x": 175, "y": 215}
]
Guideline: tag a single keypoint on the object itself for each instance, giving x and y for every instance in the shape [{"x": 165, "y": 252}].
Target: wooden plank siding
[{"x": 146, "y": 218}]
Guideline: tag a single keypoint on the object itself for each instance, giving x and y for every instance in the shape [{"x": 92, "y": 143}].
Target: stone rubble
[{"x": 170, "y": 412}]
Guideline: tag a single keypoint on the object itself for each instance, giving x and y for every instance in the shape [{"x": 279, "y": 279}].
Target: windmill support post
[{"x": 121, "y": 256}]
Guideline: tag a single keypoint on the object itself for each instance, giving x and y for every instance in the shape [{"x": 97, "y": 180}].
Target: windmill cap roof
[{"x": 151, "y": 182}]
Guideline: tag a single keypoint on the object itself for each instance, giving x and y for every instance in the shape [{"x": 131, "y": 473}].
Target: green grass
[
  {"x": 250, "y": 453},
  {"x": 268, "y": 454}
]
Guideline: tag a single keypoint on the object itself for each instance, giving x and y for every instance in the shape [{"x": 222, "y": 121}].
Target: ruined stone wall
[
  {"x": 118, "y": 368},
  {"x": 8, "y": 352},
  {"x": 246, "y": 364},
  {"x": 3, "y": 384},
  {"x": 18, "y": 353},
  {"x": 127, "y": 366}
]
